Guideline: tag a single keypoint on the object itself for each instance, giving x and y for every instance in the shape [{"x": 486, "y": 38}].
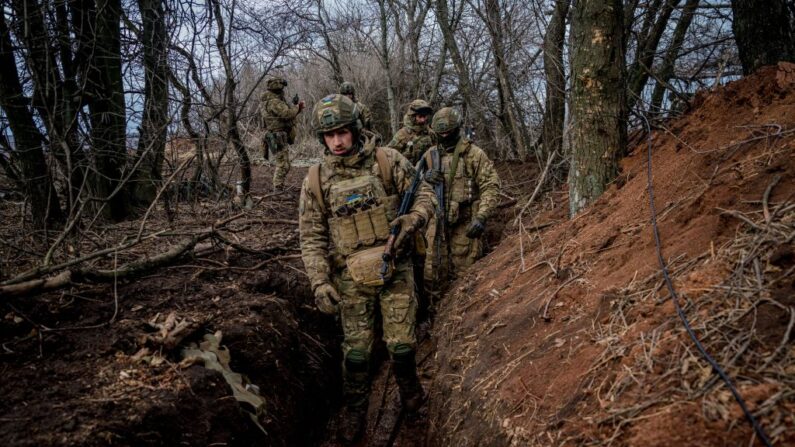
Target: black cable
[{"x": 760, "y": 432}]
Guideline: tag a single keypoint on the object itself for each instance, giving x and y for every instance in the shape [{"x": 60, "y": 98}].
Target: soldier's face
[
  {"x": 339, "y": 141},
  {"x": 420, "y": 119}
]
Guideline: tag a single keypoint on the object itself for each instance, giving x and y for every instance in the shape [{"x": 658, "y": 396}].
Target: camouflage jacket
[
  {"x": 411, "y": 140},
  {"x": 276, "y": 114},
  {"x": 473, "y": 164},
  {"x": 320, "y": 258},
  {"x": 366, "y": 116}
]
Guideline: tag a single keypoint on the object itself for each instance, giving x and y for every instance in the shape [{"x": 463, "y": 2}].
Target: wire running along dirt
[{"x": 760, "y": 432}]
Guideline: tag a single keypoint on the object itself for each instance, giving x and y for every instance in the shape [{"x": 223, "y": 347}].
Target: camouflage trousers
[
  {"x": 396, "y": 301},
  {"x": 282, "y": 162},
  {"x": 457, "y": 253},
  {"x": 398, "y": 305}
]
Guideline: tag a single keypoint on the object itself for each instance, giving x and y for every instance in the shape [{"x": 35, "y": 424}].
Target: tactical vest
[
  {"x": 462, "y": 194},
  {"x": 361, "y": 207}
]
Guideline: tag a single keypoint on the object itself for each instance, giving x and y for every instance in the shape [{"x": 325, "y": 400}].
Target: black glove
[
  {"x": 408, "y": 223},
  {"x": 475, "y": 228},
  {"x": 434, "y": 177},
  {"x": 296, "y": 99}
]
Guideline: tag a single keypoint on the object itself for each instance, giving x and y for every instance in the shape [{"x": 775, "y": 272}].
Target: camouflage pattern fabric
[
  {"x": 279, "y": 117},
  {"x": 457, "y": 250},
  {"x": 282, "y": 161},
  {"x": 324, "y": 263},
  {"x": 365, "y": 115},
  {"x": 398, "y": 310},
  {"x": 411, "y": 140}
]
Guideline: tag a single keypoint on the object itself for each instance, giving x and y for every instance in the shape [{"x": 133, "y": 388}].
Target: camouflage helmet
[
  {"x": 420, "y": 107},
  {"x": 446, "y": 120},
  {"x": 335, "y": 112},
  {"x": 346, "y": 88},
  {"x": 276, "y": 83}
]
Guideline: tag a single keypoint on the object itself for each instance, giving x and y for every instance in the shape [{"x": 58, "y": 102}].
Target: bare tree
[
  {"x": 512, "y": 123},
  {"x": 464, "y": 83},
  {"x": 666, "y": 70},
  {"x": 555, "y": 101},
  {"x": 597, "y": 101},
  {"x": 394, "y": 118},
  {"x": 28, "y": 139},
  {"x": 154, "y": 123},
  {"x": 764, "y": 32},
  {"x": 646, "y": 48}
]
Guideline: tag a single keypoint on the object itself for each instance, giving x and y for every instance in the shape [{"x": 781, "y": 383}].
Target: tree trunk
[
  {"x": 107, "y": 109},
  {"x": 764, "y": 32},
  {"x": 598, "y": 100},
  {"x": 333, "y": 56},
  {"x": 555, "y": 102},
  {"x": 394, "y": 117},
  {"x": 666, "y": 71},
  {"x": 647, "y": 48},
  {"x": 433, "y": 95},
  {"x": 232, "y": 131},
  {"x": 465, "y": 87},
  {"x": 511, "y": 123},
  {"x": 45, "y": 207},
  {"x": 152, "y": 139},
  {"x": 54, "y": 97}
]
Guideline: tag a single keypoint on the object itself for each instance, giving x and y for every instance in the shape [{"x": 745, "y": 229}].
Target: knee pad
[
  {"x": 356, "y": 361},
  {"x": 403, "y": 354}
]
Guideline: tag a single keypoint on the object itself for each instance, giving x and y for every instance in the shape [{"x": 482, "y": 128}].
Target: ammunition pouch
[
  {"x": 365, "y": 267},
  {"x": 362, "y": 229},
  {"x": 464, "y": 190}
]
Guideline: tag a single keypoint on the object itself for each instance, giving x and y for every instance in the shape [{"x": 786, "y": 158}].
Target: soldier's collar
[{"x": 461, "y": 146}]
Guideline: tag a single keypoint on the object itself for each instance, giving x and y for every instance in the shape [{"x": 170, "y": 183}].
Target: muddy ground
[
  {"x": 562, "y": 335},
  {"x": 72, "y": 366},
  {"x": 88, "y": 365}
]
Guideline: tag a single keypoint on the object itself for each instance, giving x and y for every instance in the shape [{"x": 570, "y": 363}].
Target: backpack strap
[
  {"x": 383, "y": 167},
  {"x": 314, "y": 185}
]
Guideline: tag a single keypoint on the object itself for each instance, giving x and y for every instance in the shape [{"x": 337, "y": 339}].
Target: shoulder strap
[
  {"x": 429, "y": 160},
  {"x": 383, "y": 167},
  {"x": 314, "y": 185}
]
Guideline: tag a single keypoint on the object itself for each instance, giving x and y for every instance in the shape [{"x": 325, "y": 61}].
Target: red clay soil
[{"x": 503, "y": 375}]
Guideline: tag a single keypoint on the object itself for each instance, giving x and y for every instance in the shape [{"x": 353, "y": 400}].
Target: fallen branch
[{"x": 134, "y": 268}]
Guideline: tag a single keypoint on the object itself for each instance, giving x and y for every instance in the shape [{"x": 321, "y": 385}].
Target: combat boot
[
  {"x": 352, "y": 424},
  {"x": 412, "y": 395},
  {"x": 356, "y": 391}
]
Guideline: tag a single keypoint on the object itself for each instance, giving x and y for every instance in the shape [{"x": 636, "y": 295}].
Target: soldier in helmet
[
  {"x": 279, "y": 119},
  {"x": 471, "y": 190},
  {"x": 347, "y": 206},
  {"x": 347, "y": 89},
  {"x": 413, "y": 139}
]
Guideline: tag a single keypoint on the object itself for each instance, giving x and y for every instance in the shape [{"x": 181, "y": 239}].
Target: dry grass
[{"x": 659, "y": 367}]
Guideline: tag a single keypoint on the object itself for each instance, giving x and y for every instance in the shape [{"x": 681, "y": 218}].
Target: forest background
[{"x": 109, "y": 108}]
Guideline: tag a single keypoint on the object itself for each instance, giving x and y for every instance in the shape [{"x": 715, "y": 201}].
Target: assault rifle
[
  {"x": 405, "y": 207},
  {"x": 441, "y": 215}
]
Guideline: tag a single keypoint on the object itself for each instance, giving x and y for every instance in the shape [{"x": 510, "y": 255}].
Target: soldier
[
  {"x": 414, "y": 138},
  {"x": 279, "y": 119},
  {"x": 470, "y": 187},
  {"x": 347, "y": 89},
  {"x": 345, "y": 205}
]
